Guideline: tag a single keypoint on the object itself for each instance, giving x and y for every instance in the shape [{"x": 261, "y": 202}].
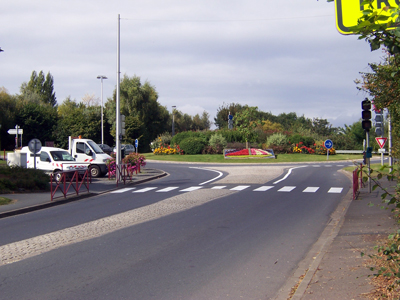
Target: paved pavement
[
  {"x": 335, "y": 268},
  {"x": 26, "y": 202}
]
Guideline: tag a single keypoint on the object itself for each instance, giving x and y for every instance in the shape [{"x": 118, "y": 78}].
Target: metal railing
[{"x": 70, "y": 180}]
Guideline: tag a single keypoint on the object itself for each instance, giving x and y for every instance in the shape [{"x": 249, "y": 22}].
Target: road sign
[
  {"x": 381, "y": 150},
  {"x": 349, "y": 11},
  {"x": 328, "y": 144},
  {"x": 14, "y": 131},
  {"x": 34, "y": 145},
  {"x": 381, "y": 141},
  {"x": 136, "y": 143}
]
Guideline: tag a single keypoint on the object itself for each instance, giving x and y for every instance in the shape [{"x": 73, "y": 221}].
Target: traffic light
[
  {"x": 122, "y": 124},
  {"x": 379, "y": 124},
  {"x": 366, "y": 114}
]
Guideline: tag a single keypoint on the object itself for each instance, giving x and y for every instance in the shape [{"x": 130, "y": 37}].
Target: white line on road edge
[
  {"x": 220, "y": 174},
  {"x": 287, "y": 174}
]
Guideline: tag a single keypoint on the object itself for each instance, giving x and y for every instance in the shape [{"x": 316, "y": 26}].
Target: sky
[{"x": 281, "y": 56}]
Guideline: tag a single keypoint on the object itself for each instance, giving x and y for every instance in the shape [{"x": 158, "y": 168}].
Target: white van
[
  {"x": 87, "y": 151},
  {"x": 52, "y": 160}
]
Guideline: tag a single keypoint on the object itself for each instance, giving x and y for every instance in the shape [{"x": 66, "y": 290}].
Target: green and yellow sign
[{"x": 349, "y": 11}]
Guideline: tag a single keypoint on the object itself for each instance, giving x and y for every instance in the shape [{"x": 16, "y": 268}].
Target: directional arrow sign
[
  {"x": 14, "y": 131},
  {"x": 328, "y": 144},
  {"x": 381, "y": 141}
]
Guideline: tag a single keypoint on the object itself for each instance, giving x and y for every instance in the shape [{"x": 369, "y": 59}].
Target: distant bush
[
  {"x": 14, "y": 179},
  {"x": 277, "y": 139},
  {"x": 192, "y": 145},
  {"x": 297, "y": 138},
  {"x": 217, "y": 141},
  {"x": 179, "y": 137}
]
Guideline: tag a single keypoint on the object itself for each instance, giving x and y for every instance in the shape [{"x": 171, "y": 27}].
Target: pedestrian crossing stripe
[{"x": 264, "y": 188}]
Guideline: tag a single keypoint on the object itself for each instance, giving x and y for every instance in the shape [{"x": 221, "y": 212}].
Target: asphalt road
[{"x": 226, "y": 240}]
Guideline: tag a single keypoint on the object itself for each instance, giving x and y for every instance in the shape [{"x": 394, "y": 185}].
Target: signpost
[
  {"x": 136, "y": 145},
  {"x": 16, "y": 131},
  {"x": 328, "y": 145},
  {"x": 381, "y": 142},
  {"x": 34, "y": 146},
  {"x": 349, "y": 11}
]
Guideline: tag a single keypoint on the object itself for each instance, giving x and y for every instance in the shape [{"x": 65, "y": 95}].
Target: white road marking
[
  {"x": 287, "y": 189},
  {"x": 220, "y": 187},
  {"x": 287, "y": 174},
  {"x": 335, "y": 190},
  {"x": 208, "y": 181},
  {"x": 122, "y": 190},
  {"x": 167, "y": 189},
  {"x": 240, "y": 188},
  {"x": 193, "y": 188},
  {"x": 311, "y": 189},
  {"x": 263, "y": 188},
  {"x": 145, "y": 190}
]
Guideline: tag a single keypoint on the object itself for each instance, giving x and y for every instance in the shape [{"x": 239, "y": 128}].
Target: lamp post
[
  {"x": 173, "y": 120},
  {"x": 101, "y": 77}
]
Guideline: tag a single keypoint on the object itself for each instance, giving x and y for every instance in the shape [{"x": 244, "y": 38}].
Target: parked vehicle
[
  {"x": 106, "y": 149},
  {"x": 126, "y": 149},
  {"x": 85, "y": 150},
  {"x": 52, "y": 160}
]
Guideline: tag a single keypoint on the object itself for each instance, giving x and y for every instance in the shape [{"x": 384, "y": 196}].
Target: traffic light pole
[{"x": 368, "y": 162}]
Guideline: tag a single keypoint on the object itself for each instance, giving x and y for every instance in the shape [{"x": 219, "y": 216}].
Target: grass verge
[
  {"x": 4, "y": 201},
  {"x": 219, "y": 158}
]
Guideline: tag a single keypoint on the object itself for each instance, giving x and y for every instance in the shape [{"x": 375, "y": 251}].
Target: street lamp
[
  {"x": 173, "y": 120},
  {"x": 101, "y": 77}
]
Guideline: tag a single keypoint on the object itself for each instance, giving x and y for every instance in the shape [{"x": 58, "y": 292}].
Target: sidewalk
[
  {"x": 342, "y": 273},
  {"x": 26, "y": 202}
]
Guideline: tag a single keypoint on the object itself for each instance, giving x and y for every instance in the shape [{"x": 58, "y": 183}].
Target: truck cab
[{"x": 87, "y": 151}]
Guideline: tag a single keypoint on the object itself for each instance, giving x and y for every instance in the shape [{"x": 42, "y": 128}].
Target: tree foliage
[{"x": 39, "y": 88}]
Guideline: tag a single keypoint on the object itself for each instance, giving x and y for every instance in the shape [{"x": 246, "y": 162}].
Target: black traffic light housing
[{"x": 366, "y": 114}]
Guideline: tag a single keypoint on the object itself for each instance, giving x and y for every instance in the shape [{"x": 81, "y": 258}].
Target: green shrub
[
  {"x": 277, "y": 139},
  {"x": 192, "y": 145},
  {"x": 18, "y": 178},
  {"x": 217, "y": 141},
  {"x": 161, "y": 140},
  {"x": 297, "y": 138},
  {"x": 179, "y": 137},
  {"x": 232, "y": 136}
]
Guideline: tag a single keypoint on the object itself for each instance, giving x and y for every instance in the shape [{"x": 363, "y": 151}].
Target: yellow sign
[{"x": 349, "y": 11}]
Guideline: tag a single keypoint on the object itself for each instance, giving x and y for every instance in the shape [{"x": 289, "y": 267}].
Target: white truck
[
  {"x": 87, "y": 151},
  {"x": 52, "y": 160}
]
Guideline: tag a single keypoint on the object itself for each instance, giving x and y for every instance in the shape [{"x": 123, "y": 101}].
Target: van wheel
[
  {"x": 95, "y": 171},
  {"x": 57, "y": 176}
]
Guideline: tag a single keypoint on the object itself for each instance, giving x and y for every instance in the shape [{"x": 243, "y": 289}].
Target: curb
[{"x": 73, "y": 198}]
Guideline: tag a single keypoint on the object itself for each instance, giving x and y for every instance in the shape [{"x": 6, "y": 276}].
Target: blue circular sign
[
  {"x": 136, "y": 143},
  {"x": 328, "y": 144}
]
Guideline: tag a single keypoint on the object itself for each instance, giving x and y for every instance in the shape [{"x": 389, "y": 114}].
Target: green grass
[
  {"x": 5, "y": 201},
  {"x": 219, "y": 158}
]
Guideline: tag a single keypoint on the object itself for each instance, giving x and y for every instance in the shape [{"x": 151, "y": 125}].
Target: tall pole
[
  {"x": 118, "y": 115},
  {"x": 101, "y": 77},
  {"x": 173, "y": 120},
  {"x": 390, "y": 142}
]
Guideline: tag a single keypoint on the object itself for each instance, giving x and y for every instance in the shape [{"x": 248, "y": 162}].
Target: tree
[
  {"x": 40, "y": 89},
  {"x": 221, "y": 119},
  {"x": 8, "y": 109},
  {"x": 246, "y": 121},
  {"x": 141, "y": 102}
]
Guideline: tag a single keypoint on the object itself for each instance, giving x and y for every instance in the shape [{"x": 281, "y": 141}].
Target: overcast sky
[{"x": 282, "y": 56}]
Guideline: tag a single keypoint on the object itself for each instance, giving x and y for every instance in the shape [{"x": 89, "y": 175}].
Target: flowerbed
[
  {"x": 314, "y": 149},
  {"x": 248, "y": 153},
  {"x": 164, "y": 149},
  {"x": 133, "y": 162}
]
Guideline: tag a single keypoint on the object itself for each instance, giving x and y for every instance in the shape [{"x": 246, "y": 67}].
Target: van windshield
[
  {"x": 95, "y": 147},
  {"x": 61, "y": 156}
]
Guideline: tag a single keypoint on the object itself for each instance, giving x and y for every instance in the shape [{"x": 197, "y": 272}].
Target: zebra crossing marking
[
  {"x": 145, "y": 190},
  {"x": 335, "y": 190},
  {"x": 287, "y": 189},
  {"x": 311, "y": 189},
  {"x": 122, "y": 190},
  {"x": 193, "y": 188},
  {"x": 167, "y": 189},
  {"x": 263, "y": 188},
  {"x": 219, "y": 187},
  {"x": 240, "y": 188}
]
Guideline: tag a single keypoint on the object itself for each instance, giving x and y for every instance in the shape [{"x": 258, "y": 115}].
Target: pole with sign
[
  {"x": 35, "y": 146},
  {"x": 381, "y": 142},
  {"x": 328, "y": 145},
  {"x": 136, "y": 145}
]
